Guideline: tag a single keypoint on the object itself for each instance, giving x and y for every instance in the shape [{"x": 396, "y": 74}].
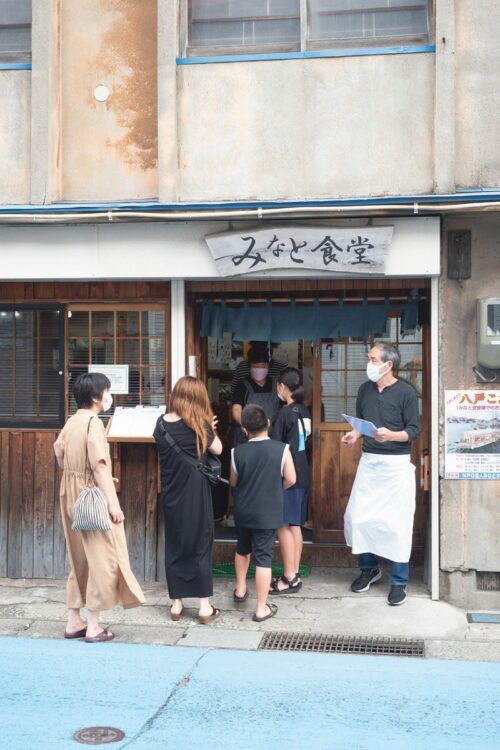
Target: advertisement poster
[{"x": 472, "y": 434}]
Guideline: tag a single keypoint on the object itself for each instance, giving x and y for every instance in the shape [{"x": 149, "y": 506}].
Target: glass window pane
[
  {"x": 127, "y": 323},
  {"x": 244, "y": 22},
  {"x": 332, "y": 409},
  {"x": 356, "y": 356},
  {"x": 127, "y": 351},
  {"x": 414, "y": 378},
  {"x": 6, "y": 322},
  {"x": 48, "y": 321},
  {"x": 332, "y": 383},
  {"x": 78, "y": 324},
  {"x": 103, "y": 352},
  {"x": 78, "y": 351},
  {"x": 103, "y": 324},
  {"x": 153, "y": 351},
  {"x": 411, "y": 356},
  {"x": 153, "y": 379},
  {"x": 367, "y": 19},
  {"x": 153, "y": 323}
]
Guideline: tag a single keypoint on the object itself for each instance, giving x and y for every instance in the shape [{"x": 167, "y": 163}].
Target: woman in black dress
[{"x": 185, "y": 496}]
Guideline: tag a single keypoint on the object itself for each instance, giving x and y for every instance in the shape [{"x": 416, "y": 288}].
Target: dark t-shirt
[
  {"x": 396, "y": 408},
  {"x": 287, "y": 427}
]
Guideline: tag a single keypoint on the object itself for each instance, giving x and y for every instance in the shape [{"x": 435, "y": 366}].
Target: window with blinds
[
  {"x": 132, "y": 335},
  {"x": 31, "y": 373},
  {"x": 15, "y": 30},
  {"x": 218, "y": 27},
  {"x": 343, "y": 369}
]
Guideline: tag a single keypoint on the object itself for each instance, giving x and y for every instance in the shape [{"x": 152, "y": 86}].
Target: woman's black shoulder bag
[{"x": 211, "y": 469}]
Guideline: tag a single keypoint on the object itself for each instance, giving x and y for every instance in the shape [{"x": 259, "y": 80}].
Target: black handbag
[{"x": 211, "y": 470}]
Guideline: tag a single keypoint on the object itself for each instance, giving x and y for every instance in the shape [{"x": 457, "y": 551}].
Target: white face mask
[
  {"x": 374, "y": 371},
  {"x": 281, "y": 395},
  {"x": 107, "y": 400},
  {"x": 259, "y": 373}
]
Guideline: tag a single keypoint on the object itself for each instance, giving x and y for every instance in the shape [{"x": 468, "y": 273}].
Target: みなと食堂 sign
[{"x": 344, "y": 250}]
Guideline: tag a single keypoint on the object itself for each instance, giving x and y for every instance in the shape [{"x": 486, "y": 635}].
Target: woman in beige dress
[{"x": 100, "y": 576}]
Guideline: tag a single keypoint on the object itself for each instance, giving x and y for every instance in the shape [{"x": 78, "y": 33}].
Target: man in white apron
[{"x": 379, "y": 516}]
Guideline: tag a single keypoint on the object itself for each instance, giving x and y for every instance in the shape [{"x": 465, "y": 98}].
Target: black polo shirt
[{"x": 396, "y": 408}]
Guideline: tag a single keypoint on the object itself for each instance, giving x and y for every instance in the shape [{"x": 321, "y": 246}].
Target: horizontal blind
[{"x": 31, "y": 383}]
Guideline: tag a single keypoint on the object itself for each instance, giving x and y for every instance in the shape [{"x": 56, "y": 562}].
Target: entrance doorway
[{"x": 332, "y": 369}]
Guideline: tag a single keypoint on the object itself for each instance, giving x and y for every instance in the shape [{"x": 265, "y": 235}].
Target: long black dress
[{"x": 187, "y": 507}]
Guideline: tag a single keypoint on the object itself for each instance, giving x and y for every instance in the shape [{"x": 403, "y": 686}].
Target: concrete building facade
[{"x": 117, "y": 116}]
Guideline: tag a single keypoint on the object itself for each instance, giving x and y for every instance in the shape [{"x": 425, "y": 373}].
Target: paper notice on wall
[{"x": 472, "y": 434}]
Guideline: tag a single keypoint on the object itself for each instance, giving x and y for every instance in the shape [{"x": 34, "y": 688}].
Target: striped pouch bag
[{"x": 90, "y": 512}]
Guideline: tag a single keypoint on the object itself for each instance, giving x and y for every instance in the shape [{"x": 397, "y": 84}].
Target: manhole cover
[{"x": 98, "y": 735}]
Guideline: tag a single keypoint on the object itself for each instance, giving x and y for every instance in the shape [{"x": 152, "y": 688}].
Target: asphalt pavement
[{"x": 177, "y": 697}]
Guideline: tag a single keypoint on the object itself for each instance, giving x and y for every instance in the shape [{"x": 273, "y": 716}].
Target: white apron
[{"x": 379, "y": 515}]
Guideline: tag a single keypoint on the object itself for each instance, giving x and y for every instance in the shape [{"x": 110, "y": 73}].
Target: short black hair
[
  {"x": 258, "y": 354},
  {"x": 254, "y": 419},
  {"x": 290, "y": 377},
  {"x": 89, "y": 385}
]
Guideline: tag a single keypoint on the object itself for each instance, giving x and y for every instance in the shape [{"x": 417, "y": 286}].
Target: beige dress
[{"x": 100, "y": 575}]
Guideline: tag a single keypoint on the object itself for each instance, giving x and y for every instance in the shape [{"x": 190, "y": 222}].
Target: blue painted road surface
[{"x": 169, "y": 697}]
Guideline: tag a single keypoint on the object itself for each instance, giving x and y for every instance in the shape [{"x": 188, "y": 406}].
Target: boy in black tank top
[{"x": 260, "y": 470}]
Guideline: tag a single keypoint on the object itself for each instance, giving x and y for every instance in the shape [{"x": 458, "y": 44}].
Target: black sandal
[{"x": 292, "y": 586}]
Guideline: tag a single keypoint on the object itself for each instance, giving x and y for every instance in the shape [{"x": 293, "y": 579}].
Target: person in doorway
[
  {"x": 185, "y": 496},
  {"x": 379, "y": 515},
  {"x": 100, "y": 576},
  {"x": 260, "y": 470},
  {"x": 242, "y": 371},
  {"x": 258, "y": 389},
  {"x": 292, "y": 426}
]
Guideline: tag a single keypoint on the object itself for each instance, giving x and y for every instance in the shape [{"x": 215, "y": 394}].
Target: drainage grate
[
  {"x": 341, "y": 644},
  {"x": 98, "y": 735},
  {"x": 487, "y": 581}
]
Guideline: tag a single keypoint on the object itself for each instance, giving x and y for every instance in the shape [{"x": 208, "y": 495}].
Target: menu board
[{"x": 134, "y": 424}]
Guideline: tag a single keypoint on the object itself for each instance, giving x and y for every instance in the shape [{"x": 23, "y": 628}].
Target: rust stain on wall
[{"x": 128, "y": 55}]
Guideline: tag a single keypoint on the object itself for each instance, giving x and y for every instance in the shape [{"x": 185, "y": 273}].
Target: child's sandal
[{"x": 292, "y": 586}]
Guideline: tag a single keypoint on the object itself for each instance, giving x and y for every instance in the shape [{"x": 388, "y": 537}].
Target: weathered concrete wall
[
  {"x": 306, "y": 128},
  {"x": 477, "y": 61},
  {"x": 470, "y": 510},
  {"x": 109, "y": 149},
  {"x": 15, "y": 147}
]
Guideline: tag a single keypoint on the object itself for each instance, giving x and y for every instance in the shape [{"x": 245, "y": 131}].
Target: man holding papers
[{"x": 379, "y": 516}]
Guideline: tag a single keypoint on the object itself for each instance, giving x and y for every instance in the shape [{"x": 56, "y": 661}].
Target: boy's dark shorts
[{"x": 258, "y": 541}]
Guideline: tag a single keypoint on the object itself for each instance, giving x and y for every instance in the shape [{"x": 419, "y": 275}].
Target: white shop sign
[
  {"x": 117, "y": 374},
  {"x": 343, "y": 250}
]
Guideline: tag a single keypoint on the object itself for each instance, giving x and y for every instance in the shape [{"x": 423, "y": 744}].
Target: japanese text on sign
[
  {"x": 472, "y": 434},
  {"x": 332, "y": 249}
]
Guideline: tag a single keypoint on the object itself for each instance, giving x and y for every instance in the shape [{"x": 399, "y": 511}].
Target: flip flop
[
  {"x": 103, "y": 637},
  {"x": 272, "y": 611},
  {"x": 240, "y": 599},
  {"x": 205, "y": 619},
  {"x": 176, "y": 616},
  {"x": 77, "y": 634}
]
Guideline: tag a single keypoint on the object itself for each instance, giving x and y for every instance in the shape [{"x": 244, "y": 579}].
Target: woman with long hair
[
  {"x": 188, "y": 429},
  {"x": 292, "y": 426}
]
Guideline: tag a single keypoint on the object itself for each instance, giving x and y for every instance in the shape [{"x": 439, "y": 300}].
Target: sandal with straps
[{"x": 292, "y": 586}]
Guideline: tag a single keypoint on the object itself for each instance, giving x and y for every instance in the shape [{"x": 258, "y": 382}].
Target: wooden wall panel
[
  {"x": 132, "y": 500},
  {"x": 15, "y": 499},
  {"x": 4, "y": 500},
  {"x": 28, "y": 502},
  {"x": 151, "y": 509},
  {"x": 45, "y": 496}
]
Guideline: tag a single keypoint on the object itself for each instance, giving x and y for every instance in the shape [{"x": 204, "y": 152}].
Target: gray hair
[{"x": 388, "y": 353}]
